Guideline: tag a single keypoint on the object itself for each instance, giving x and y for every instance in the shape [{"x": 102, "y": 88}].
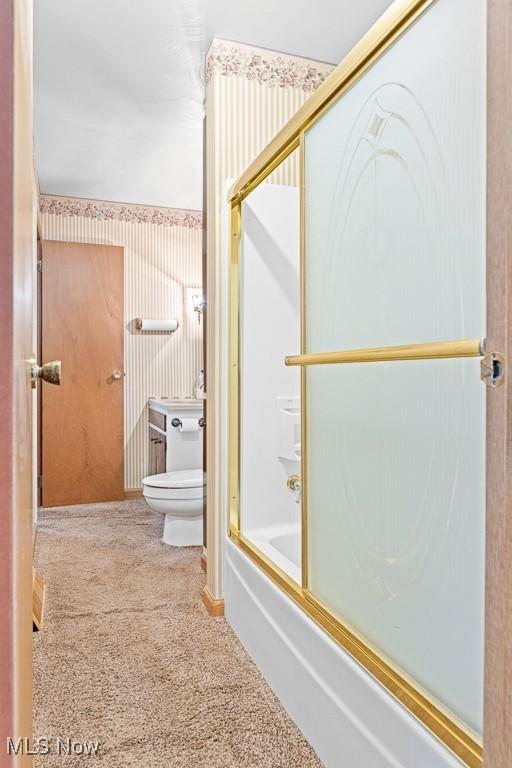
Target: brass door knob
[
  {"x": 49, "y": 372},
  {"x": 117, "y": 374}
]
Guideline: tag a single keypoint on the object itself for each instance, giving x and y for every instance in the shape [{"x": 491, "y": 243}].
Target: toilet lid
[{"x": 181, "y": 478}]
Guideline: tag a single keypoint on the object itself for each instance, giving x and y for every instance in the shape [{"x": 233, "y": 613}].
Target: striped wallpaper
[
  {"x": 250, "y": 94},
  {"x": 161, "y": 261}
]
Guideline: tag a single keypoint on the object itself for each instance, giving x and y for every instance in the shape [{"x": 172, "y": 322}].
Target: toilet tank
[{"x": 184, "y": 449}]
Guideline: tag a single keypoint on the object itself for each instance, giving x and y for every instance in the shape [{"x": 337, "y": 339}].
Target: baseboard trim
[
  {"x": 133, "y": 493},
  {"x": 214, "y": 606},
  {"x": 38, "y": 595},
  {"x": 203, "y": 562}
]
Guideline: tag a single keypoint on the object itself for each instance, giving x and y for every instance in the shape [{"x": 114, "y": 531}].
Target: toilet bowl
[{"x": 179, "y": 495}]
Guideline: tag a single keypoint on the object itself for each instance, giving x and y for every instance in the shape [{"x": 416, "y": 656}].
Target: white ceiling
[
  {"x": 324, "y": 30},
  {"x": 118, "y": 85}
]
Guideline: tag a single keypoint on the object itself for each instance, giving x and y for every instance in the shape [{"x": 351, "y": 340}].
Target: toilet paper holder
[{"x": 177, "y": 422}]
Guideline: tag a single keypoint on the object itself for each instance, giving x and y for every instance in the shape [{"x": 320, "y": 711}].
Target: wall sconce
[{"x": 199, "y": 304}]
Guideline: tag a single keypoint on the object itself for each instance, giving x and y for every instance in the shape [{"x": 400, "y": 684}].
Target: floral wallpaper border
[
  {"x": 136, "y": 214},
  {"x": 272, "y": 69}
]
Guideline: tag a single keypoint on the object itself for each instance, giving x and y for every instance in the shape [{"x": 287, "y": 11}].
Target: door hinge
[
  {"x": 39, "y": 265},
  {"x": 39, "y": 481},
  {"x": 492, "y": 369}
]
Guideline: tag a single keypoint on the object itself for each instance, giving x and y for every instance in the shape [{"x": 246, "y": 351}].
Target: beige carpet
[{"x": 129, "y": 656}]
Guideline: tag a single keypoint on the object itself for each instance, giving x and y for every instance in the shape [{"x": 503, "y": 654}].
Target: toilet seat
[
  {"x": 180, "y": 484},
  {"x": 181, "y": 478}
]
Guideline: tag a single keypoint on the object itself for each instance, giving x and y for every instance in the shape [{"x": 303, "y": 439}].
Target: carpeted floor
[{"x": 129, "y": 656}]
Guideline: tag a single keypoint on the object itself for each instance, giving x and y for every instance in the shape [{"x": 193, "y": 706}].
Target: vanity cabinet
[
  {"x": 157, "y": 450},
  {"x": 160, "y": 413},
  {"x": 157, "y": 442},
  {"x": 157, "y": 419}
]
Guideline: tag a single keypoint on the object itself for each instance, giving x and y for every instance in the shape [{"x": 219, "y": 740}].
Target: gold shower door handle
[
  {"x": 117, "y": 374},
  {"x": 49, "y": 372},
  {"x": 429, "y": 351}
]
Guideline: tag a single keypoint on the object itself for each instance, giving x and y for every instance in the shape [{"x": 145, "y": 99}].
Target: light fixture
[{"x": 199, "y": 304}]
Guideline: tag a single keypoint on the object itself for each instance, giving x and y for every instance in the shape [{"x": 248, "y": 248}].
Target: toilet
[
  {"x": 179, "y": 492},
  {"x": 179, "y": 495}
]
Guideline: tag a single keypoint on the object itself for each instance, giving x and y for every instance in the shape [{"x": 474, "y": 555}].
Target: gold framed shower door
[{"x": 395, "y": 21}]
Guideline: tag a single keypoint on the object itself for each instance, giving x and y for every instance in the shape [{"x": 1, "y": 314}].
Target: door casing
[
  {"x": 17, "y": 278},
  {"x": 498, "y": 585}
]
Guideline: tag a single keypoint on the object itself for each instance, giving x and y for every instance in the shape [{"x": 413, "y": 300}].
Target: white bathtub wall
[
  {"x": 162, "y": 249},
  {"x": 346, "y": 715},
  {"x": 250, "y": 94},
  {"x": 270, "y": 330}
]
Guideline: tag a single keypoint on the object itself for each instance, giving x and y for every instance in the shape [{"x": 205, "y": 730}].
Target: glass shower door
[{"x": 394, "y": 409}]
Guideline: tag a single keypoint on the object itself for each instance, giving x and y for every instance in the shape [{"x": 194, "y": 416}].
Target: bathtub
[
  {"x": 346, "y": 715},
  {"x": 282, "y": 545}
]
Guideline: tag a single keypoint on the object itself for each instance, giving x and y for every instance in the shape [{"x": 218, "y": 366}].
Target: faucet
[{"x": 294, "y": 484}]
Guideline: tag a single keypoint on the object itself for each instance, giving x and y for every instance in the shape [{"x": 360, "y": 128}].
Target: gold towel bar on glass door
[{"x": 429, "y": 351}]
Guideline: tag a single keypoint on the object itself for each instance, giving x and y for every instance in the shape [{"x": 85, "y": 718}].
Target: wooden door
[
  {"x": 83, "y": 420},
  {"x": 17, "y": 271}
]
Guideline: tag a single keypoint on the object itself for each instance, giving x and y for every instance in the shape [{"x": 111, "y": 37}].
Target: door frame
[
  {"x": 497, "y": 735},
  {"x": 498, "y": 595},
  {"x": 39, "y": 358},
  {"x": 7, "y": 650},
  {"x": 17, "y": 241}
]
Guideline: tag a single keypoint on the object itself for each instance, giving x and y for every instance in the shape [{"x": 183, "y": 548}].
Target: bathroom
[
  {"x": 255, "y": 487},
  {"x": 146, "y": 365}
]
